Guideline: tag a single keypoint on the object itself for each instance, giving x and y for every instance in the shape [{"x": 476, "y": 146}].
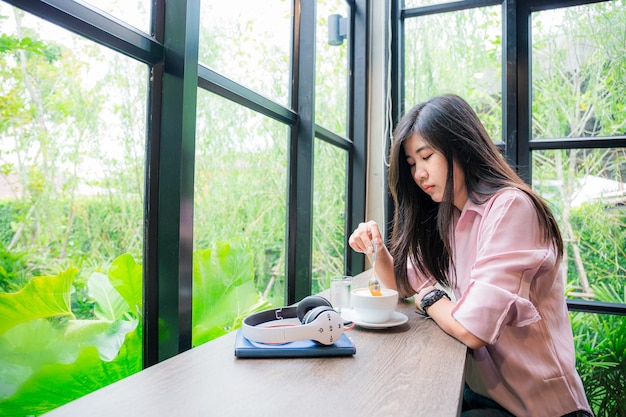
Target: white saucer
[{"x": 396, "y": 320}]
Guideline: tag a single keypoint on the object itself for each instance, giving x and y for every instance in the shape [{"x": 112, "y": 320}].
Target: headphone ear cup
[
  {"x": 314, "y": 313},
  {"x": 309, "y": 303}
]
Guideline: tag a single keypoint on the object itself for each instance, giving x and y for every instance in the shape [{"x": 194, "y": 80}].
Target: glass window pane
[
  {"x": 600, "y": 346},
  {"x": 72, "y": 158},
  {"x": 331, "y": 67},
  {"x": 134, "y": 12},
  {"x": 462, "y": 56},
  {"x": 420, "y": 3},
  {"x": 587, "y": 189},
  {"x": 240, "y": 215},
  {"x": 579, "y": 71},
  {"x": 329, "y": 213},
  {"x": 249, "y": 44}
]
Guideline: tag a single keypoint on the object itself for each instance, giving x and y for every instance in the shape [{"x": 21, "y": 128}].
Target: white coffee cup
[{"x": 374, "y": 308}]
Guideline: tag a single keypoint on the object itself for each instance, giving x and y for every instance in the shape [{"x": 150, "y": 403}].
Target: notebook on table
[{"x": 245, "y": 348}]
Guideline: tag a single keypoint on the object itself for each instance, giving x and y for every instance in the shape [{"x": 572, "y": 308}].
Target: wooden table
[{"x": 414, "y": 369}]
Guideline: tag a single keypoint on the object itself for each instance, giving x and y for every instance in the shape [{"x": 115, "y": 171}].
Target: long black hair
[{"x": 421, "y": 227}]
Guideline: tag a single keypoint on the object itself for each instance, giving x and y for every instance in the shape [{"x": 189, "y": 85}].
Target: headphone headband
[
  {"x": 271, "y": 315},
  {"x": 317, "y": 321}
]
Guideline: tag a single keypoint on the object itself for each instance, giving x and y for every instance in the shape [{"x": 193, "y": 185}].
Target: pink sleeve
[
  {"x": 509, "y": 255},
  {"x": 416, "y": 278}
]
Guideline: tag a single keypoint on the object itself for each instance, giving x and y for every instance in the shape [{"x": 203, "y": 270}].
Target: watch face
[{"x": 431, "y": 298}]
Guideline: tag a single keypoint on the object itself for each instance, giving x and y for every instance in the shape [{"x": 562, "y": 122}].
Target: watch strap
[{"x": 430, "y": 298}]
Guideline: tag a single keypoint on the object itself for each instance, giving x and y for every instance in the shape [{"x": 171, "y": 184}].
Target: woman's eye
[{"x": 427, "y": 156}]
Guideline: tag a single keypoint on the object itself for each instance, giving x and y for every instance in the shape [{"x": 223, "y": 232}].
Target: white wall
[{"x": 376, "y": 164}]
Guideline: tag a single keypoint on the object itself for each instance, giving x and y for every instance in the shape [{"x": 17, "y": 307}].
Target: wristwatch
[{"x": 430, "y": 298}]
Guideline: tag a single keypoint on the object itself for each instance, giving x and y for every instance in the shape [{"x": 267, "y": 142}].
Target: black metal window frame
[
  {"x": 171, "y": 53},
  {"x": 516, "y": 91}
]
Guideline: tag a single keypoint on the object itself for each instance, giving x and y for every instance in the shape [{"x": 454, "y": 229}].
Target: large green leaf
[
  {"x": 126, "y": 276},
  {"x": 223, "y": 279},
  {"x": 225, "y": 265},
  {"x": 110, "y": 305},
  {"x": 218, "y": 318},
  {"x": 26, "y": 348},
  {"x": 42, "y": 297},
  {"x": 40, "y": 367},
  {"x": 57, "y": 384},
  {"x": 108, "y": 337}
]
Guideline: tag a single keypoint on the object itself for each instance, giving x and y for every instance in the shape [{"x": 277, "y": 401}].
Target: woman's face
[{"x": 429, "y": 169}]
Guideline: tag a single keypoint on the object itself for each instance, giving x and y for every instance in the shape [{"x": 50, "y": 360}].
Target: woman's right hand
[{"x": 361, "y": 239}]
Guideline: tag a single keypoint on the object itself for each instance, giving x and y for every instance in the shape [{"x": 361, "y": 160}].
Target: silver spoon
[{"x": 374, "y": 285}]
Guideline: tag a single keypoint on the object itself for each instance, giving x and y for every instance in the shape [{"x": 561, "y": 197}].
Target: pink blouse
[{"x": 509, "y": 291}]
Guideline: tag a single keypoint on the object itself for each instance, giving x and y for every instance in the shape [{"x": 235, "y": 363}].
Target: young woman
[{"x": 466, "y": 221}]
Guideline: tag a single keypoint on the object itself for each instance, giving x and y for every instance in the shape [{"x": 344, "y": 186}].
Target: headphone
[{"x": 319, "y": 322}]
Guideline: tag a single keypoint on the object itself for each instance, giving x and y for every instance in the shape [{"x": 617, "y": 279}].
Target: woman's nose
[{"x": 420, "y": 174}]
